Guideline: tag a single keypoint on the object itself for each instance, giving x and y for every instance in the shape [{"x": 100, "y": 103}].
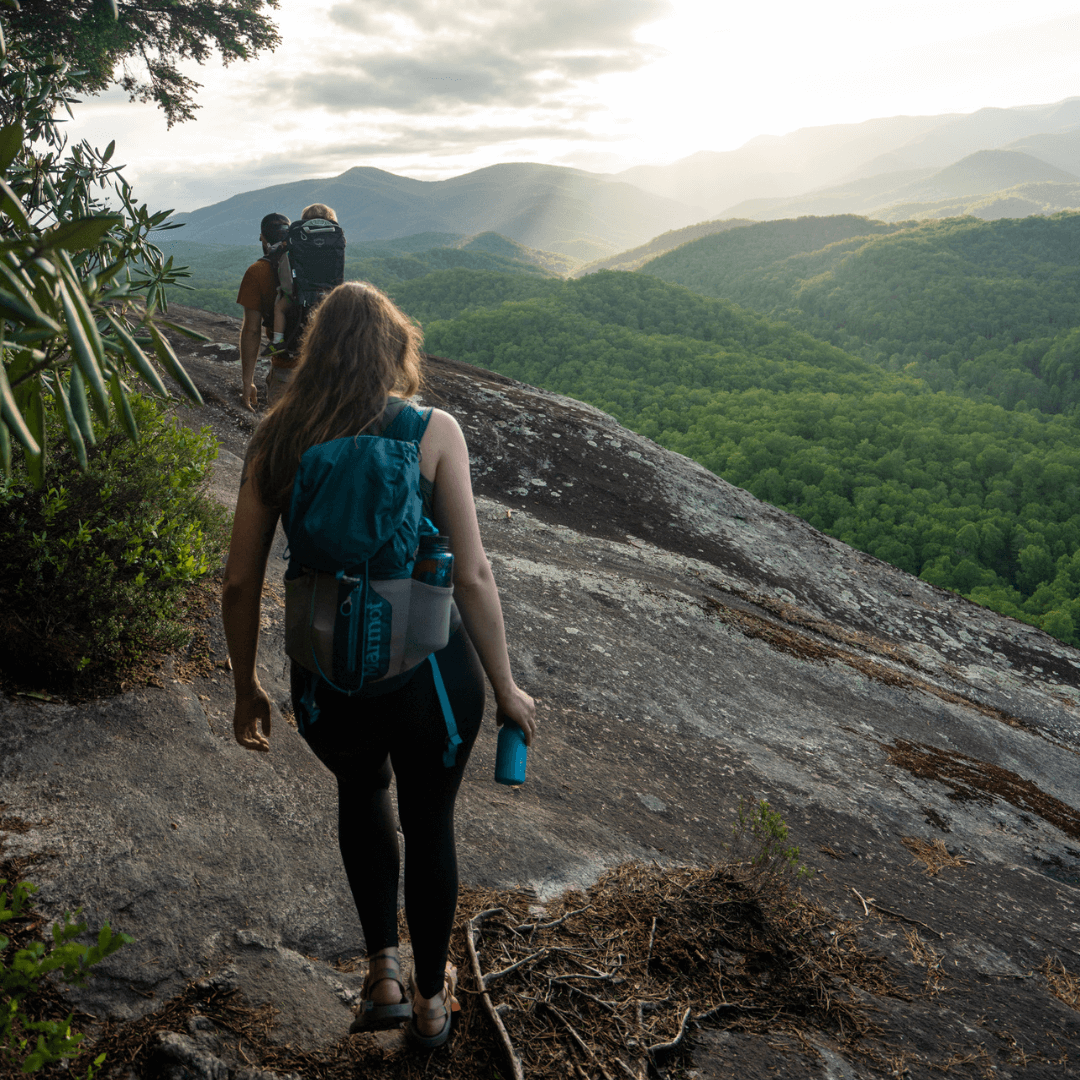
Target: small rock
[
  {"x": 177, "y": 1049},
  {"x": 225, "y": 980},
  {"x": 651, "y": 802}
]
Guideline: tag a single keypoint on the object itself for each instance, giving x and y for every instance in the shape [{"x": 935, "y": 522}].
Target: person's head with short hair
[
  {"x": 318, "y": 210},
  {"x": 273, "y": 228}
]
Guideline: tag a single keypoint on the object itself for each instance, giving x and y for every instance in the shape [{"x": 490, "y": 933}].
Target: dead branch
[
  {"x": 905, "y": 918},
  {"x": 716, "y": 1010},
  {"x": 666, "y": 1048},
  {"x": 492, "y": 976},
  {"x": 588, "y": 978},
  {"x": 609, "y": 1005},
  {"x": 585, "y": 1048},
  {"x": 581, "y": 963},
  {"x": 473, "y": 933},
  {"x": 531, "y": 927}
]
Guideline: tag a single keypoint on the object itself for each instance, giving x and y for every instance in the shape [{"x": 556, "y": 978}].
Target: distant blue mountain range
[{"x": 579, "y": 214}]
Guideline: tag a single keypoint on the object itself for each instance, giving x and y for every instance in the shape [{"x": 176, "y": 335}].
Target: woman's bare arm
[
  {"x": 241, "y": 598},
  {"x": 446, "y": 461}
]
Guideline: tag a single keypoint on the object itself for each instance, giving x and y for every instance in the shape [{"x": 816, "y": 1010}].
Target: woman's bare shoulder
[
  {"x": 444, "y": 428},
  {"x": 443, "y": 441}
]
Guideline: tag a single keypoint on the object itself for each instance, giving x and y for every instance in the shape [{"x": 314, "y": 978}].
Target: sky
[{"x": 431, "y": 89}]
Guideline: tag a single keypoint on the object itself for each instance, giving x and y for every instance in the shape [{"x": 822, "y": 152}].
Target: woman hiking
[{"x": 360, "y": 354}]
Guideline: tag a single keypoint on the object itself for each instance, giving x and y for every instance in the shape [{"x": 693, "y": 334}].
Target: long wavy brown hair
[{"x": 357, "y": 350}]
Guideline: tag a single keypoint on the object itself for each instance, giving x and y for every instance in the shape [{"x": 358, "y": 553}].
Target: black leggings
[{"x": 358, "y": 739}]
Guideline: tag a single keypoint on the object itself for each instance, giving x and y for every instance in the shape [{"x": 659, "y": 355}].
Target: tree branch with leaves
[
  {"x": 80, "y": 280},
  {"x": 139, "y": 44}
]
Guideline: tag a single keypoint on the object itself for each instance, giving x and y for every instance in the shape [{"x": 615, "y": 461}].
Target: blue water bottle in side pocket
[
  {"x": 511, "y": 754},
  {"x": 434, "y": 561}
]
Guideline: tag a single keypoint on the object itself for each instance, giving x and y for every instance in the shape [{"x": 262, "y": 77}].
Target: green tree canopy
[
  {"x": 966, "y": 494},
  {"x": 983, "y": 308},
  {"x": 139, "y": 43}
]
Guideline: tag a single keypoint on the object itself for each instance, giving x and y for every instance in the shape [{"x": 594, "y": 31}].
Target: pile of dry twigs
[{"x": 610, "y": 983}]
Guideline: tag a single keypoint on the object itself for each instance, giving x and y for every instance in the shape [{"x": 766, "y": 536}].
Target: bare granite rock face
[{"x": 689, "y": 645}]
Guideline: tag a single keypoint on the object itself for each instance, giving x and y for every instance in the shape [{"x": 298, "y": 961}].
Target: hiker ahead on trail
[
  {"x": 258, "y": 292},
  {"x": 310, "y": 262},
  {"x": 375, "y": 476},
  {"x": 301, "y": 262}
]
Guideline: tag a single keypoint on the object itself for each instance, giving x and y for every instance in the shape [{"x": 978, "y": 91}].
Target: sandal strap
[
  {"x": 445, "y": 1002},
  {"x": 384, "y": 960},
  {"x": 434, "y": 1012},
  {"x": 391, "y": 972}
]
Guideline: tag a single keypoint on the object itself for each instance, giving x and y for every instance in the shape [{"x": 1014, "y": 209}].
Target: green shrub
[
  {"x": 94, "y": 563},
  {"x": 36, "y": 1043},
  {"x": 760, "y": 840}
]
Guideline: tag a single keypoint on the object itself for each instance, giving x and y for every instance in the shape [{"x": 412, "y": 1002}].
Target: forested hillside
[
  {"x": 446, "y": 294},
  {"x": 970, "y": 495},
  {"x": 987, "y": 309},
  {"x": 637, "y": 257}
]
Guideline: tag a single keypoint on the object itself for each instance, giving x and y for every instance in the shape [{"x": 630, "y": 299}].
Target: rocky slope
[{"x": 690, "y": 646}]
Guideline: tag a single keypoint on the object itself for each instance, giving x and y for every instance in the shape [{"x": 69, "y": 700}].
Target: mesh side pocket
[
  {"x": 403, "y": 622},
  {"x": 311, "y": 602},
  {"x": 428, "y": 628}
]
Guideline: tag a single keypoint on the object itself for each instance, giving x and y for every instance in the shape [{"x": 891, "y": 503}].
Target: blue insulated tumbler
[
  {"x": 511, "y": 755},
  {"x": 434, "y": 561}
]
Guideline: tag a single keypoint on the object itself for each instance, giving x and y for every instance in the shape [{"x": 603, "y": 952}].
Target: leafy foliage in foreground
[
  {"x": 100, "y": 535},
  {"x": 983, "y": 308},
  {"x": 95, "y": 562},
  {"x": 968, "y": 495},
  {"x": 37, "y": 1043},
  {"x": 70, "y": 269}
]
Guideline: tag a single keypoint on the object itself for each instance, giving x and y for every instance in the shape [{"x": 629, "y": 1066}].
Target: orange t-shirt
[{"x": 258, "y": 290}]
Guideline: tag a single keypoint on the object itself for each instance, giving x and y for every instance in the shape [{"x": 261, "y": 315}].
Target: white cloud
[{"x": 450, "y": 58}]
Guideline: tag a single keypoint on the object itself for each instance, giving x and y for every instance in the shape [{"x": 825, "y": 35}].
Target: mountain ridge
[
  {"x": 789, "y": 166},
  {"x": 568, "y": 211},
  {"x": 589, "y": 217},
  {"x": 913, "y": 194}
]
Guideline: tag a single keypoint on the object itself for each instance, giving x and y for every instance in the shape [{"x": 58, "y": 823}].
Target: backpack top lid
[
  {"x": 318, "y": 231},
  {"x": 357, "y": 500},
  {"x": 351, "y": 498}
]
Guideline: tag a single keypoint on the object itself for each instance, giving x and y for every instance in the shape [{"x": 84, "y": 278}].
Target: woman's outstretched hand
[
  {"x": 521, "y": 709},
  {"x": 250, "y": 713}
]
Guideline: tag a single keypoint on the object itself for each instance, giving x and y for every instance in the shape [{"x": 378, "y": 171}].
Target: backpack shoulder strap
[
  {"x": 274, "y": 253},
  {"x": 407, "y": 423}
]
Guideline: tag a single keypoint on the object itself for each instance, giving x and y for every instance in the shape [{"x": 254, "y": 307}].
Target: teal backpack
[{"x": 353, "y": 612}]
